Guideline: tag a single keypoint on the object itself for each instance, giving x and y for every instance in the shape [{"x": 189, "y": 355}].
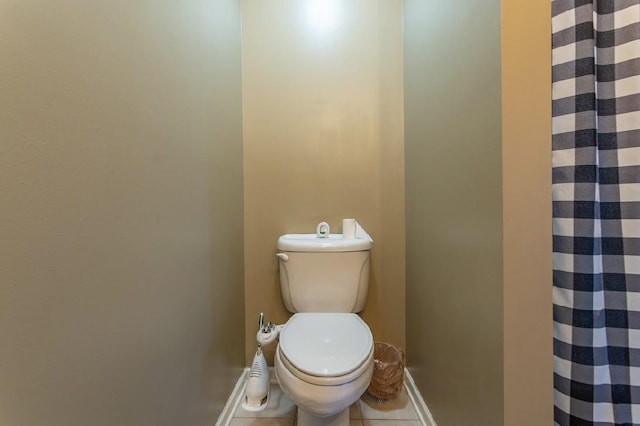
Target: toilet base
[{"x": 305, "y": 418}]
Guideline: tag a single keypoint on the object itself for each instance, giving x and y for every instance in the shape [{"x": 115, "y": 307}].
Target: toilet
[{"x": 324, "y": 359}]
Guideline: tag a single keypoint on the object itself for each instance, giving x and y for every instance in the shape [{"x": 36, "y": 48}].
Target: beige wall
[
  {"x": 121, "y": 299},
  {"x": 526, "y": 150},
  {"x": 454, "y": 208},
  {"x": 323, "y": 140},
  {"x": 456, "y": 316}
]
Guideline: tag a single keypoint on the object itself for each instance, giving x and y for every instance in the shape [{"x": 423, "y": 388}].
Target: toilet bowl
[{"x": 324, "y": 363}]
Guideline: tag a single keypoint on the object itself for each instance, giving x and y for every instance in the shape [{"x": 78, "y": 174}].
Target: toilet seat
[
  {"x": 326, "y": 348},
  {"x": 324, "y": 381}
]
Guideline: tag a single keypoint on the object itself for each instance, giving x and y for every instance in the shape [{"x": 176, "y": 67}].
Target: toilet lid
[{"x": 326, "y": 344}]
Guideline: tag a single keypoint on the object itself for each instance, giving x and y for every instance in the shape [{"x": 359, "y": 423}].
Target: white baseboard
[
  {"x": 424, "y": 415},
  {"x": 234, "y": 400}
]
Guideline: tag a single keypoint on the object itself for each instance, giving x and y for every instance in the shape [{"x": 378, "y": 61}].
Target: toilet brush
[{"x": 257, "y": 390}]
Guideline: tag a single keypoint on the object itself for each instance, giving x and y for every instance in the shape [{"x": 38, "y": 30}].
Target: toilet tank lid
[{"x": 311, "y": 243}]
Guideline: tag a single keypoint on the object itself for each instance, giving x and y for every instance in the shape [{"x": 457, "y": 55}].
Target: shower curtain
[{"x": 596, "y": 211}]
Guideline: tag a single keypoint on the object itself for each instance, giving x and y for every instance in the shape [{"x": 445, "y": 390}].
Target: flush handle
[{"x": 282, "y": 256}]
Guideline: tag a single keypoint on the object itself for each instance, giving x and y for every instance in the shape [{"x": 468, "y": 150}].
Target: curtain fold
[{"x": 596, "y": 211}]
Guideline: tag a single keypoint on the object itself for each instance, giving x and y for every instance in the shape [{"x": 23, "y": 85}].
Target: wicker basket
[{"x": 388, "y": 371}]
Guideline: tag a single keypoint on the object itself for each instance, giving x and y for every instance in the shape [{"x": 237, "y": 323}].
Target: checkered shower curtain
[{"x": 596, "y": 211}]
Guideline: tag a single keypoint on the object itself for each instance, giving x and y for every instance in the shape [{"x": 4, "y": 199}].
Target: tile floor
[{"x": 280, "y": 411}]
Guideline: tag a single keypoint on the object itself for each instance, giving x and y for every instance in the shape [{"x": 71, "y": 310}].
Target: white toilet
[{"x": 324, "y": 361}]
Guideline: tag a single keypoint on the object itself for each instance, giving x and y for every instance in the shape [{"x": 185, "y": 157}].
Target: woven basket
[{"x": 388, "y": 371}]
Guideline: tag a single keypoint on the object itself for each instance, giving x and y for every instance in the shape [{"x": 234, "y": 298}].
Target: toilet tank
[{"x": 323, "y": 274}]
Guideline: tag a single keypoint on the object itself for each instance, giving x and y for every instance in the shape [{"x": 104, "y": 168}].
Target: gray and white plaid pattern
[{"x": 596, "y": 211}]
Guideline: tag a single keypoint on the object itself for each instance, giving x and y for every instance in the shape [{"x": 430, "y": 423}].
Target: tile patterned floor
[{"x": 280, "y": 411}]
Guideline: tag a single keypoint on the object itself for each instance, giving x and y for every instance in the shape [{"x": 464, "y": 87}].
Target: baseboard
[
  {"x": 234, "y": 400},
  {"x": 424, "y": 414}
]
